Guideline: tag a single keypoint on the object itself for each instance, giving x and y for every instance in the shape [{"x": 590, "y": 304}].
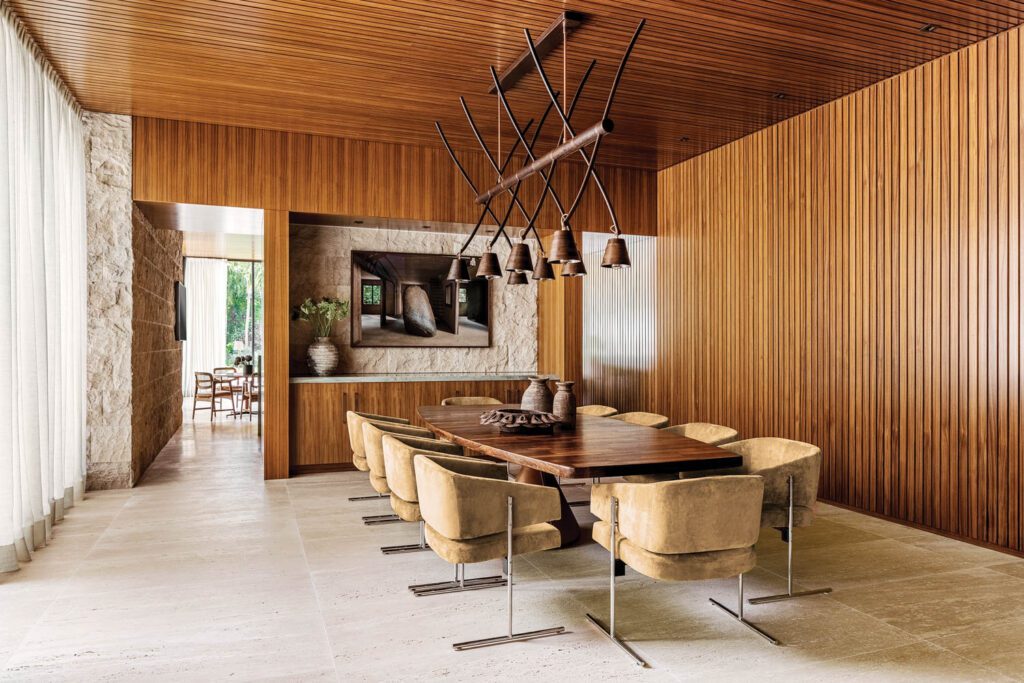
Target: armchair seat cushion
[
  {"x": 379, "y": 484},
  {"x": 409, "y": 512},
  {"x": 527, "y": 539},
  {"x": 683, "y": 567},
  {"x": 777, "y": 516}
]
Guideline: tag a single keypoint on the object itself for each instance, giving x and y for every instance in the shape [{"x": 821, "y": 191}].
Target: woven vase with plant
[{"x": 321, "y": 315}]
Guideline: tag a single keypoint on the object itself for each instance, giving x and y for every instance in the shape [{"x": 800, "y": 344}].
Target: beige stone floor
[{"x": 205, "y": 572}]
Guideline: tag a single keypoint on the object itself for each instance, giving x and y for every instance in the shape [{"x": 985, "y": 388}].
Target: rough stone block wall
[
  {"x": 156, "y": 356},
  {"x": 109, "y": 206},
  {"x": 320, "y": 259}
]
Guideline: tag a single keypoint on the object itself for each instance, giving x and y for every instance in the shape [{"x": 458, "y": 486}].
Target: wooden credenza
[{"x": 318, "y": 432}]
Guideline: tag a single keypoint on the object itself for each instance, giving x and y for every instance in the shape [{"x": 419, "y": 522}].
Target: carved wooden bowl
[{"x": 517, "y": 421}]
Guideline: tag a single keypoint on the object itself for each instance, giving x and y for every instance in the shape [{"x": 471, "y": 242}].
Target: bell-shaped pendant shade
[
  {"x": 489, "y": 268},
  {"x": 563, "y": 248},
  {"x": 459, "y": 270},
  {"x": 543, "y": 271},
  {"x": 515, "y": 278},
  {"x": 576, "y": 269},
  {"x": 615, "y": 254},
  {"x": 519, "y": 259}
]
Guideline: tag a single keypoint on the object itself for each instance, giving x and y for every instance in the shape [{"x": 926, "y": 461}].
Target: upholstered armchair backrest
[
  {"x": 705, "y": 432},
  {"x": 776, "y": 459},
  {"x": 596, "y": 410},
  {"x": 470, "y": 401},
  {"x": 686, "y": 515},
  {"x": 354, "y": 421},
  {"x": 463, "y": 498},
  {"x": 373, "y": 448},
  {"x": 399, "y": 456},
  {"x": 643, "y": 419}
]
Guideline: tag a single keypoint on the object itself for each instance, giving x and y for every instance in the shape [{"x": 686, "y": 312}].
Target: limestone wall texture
[
  {"x": 109, "y": 395},
  {"x": 320, "y": 265},
  {"x": 156, "y": 356}
]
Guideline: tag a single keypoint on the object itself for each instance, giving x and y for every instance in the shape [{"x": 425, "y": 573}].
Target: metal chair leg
[
  {"x": 459, "y": 585},
  {"x": 738, "y": 614},
  {"x": 372, "y": 520},
  {"x": 609, "y": 631},
  {"x": 411, "y": 548},
  {"x": 376, "y": 496},
  {"x": 512, "y": 635},
  {"x": 789, "y": 594}
]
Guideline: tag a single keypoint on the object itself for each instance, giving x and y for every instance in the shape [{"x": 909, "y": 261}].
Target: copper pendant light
[
  {"x": 615, "y": 254},
  {"x": 574, "y": 269},
  {"x": 515, "y": 278},
  {"x": 519, "y": 259},
  {"x": 459, "y": 272},
  {"x": 543, "y": 271},
  {"x": 563, "y": 247},
  {"x": 489, "y": 268}
]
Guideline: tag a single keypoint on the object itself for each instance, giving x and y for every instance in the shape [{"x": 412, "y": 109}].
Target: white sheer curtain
[
  {"x": 42, "y": 297},
  {"x": 206, "y": 321}
]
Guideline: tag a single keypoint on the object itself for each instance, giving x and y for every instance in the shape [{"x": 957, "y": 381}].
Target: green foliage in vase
[{"x": 321, "y": 314}]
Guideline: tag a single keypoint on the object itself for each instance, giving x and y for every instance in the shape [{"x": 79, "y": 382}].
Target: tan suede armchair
[
  {"x": 596, "y": 410},
  {"x": 643, "y": 419},
  {"x": 790, "y": 470},
  {"x": 681, "y": 530},
  {"x": 470, "y": 401},
  {"x": 473, "y": 513},
  {"x": 712, "y": 434},
  {"x": 353, "y": 420},
  {"x": 398, "y": 452},
  {"x": 361, "y": 461}
]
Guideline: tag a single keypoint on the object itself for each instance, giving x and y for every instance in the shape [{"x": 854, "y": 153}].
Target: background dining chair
[
  {"x": 643, "y": 419},
  {"x": 790, "y": 472},
  {"x": 355, "y": 440},
  {"x": 210, "y": 390},
  {"x": 470, "y": 401},
  {"x": 706, "y": 432},
  {"x": 682, "y": 530},
  {"x": 252, "y": 392},
  {"x": 471, "y": 518},
  {"x": 399, "y": 454},
  {"x": 596, "y": 410}
]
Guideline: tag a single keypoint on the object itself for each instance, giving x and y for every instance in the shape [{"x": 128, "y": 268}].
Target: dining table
[{"x": 595, "y": 447}]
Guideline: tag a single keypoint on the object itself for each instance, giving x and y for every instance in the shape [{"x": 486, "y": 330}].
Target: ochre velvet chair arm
[
  {"x": 462, "y": 506},
  {"x": 775, "y": 460}
]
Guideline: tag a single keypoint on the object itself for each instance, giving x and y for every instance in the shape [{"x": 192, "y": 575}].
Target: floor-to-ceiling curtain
[
  {"x": 206, "y": 294},
  {"x": 42, "y": 297}
]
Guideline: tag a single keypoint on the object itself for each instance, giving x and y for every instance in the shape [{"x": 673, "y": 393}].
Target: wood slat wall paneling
[
  {"x": 319, "y": 434},
  {"x": 560, "y": 325},
  {"x": 619, "y": 327},
  {"x": 183, "y": 162},
  {"x": 276, "y": 317},
  {"x": 851, "y": 278}
]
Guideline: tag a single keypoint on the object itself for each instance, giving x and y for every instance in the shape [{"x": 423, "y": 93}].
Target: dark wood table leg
[{"x": 567, "y": 526}]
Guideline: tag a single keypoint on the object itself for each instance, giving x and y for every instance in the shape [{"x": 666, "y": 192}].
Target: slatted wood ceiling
[
  {"x": 364, "y": 69},
  {"x": 851, "y": 278}
]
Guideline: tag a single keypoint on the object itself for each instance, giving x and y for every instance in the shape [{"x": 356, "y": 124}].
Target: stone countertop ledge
[{"x": 417, "y": 377}]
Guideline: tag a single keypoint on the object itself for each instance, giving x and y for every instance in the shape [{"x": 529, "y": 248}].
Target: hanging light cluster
[{"x": 564, "y": 250}]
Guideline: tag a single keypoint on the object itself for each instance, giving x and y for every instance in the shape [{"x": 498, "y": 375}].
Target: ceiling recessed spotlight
[
  {"x": 780, "y": 95},
  {"x": 928, "y": 28}
]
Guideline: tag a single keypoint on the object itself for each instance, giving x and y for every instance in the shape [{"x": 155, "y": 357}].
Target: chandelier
[{"x": 587, "y": 144}]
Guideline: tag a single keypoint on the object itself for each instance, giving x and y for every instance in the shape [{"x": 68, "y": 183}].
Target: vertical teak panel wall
[{"x": 851, "y": 278}]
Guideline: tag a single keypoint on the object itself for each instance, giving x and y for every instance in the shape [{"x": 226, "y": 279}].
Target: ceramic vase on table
[
  {"x": 538, "y": 396},
  {"x": 323, "y": 357},
  {"x": 564, "y": 406}
]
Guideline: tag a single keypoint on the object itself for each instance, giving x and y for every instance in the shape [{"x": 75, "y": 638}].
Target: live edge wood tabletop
[{"x": 598, "y": 447}]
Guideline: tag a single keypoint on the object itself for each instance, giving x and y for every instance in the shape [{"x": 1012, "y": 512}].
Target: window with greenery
[
  {"x": 371, "y": 295},
  {"x": 462, "y": 295},
  {"x": 244, "y": 310}
]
